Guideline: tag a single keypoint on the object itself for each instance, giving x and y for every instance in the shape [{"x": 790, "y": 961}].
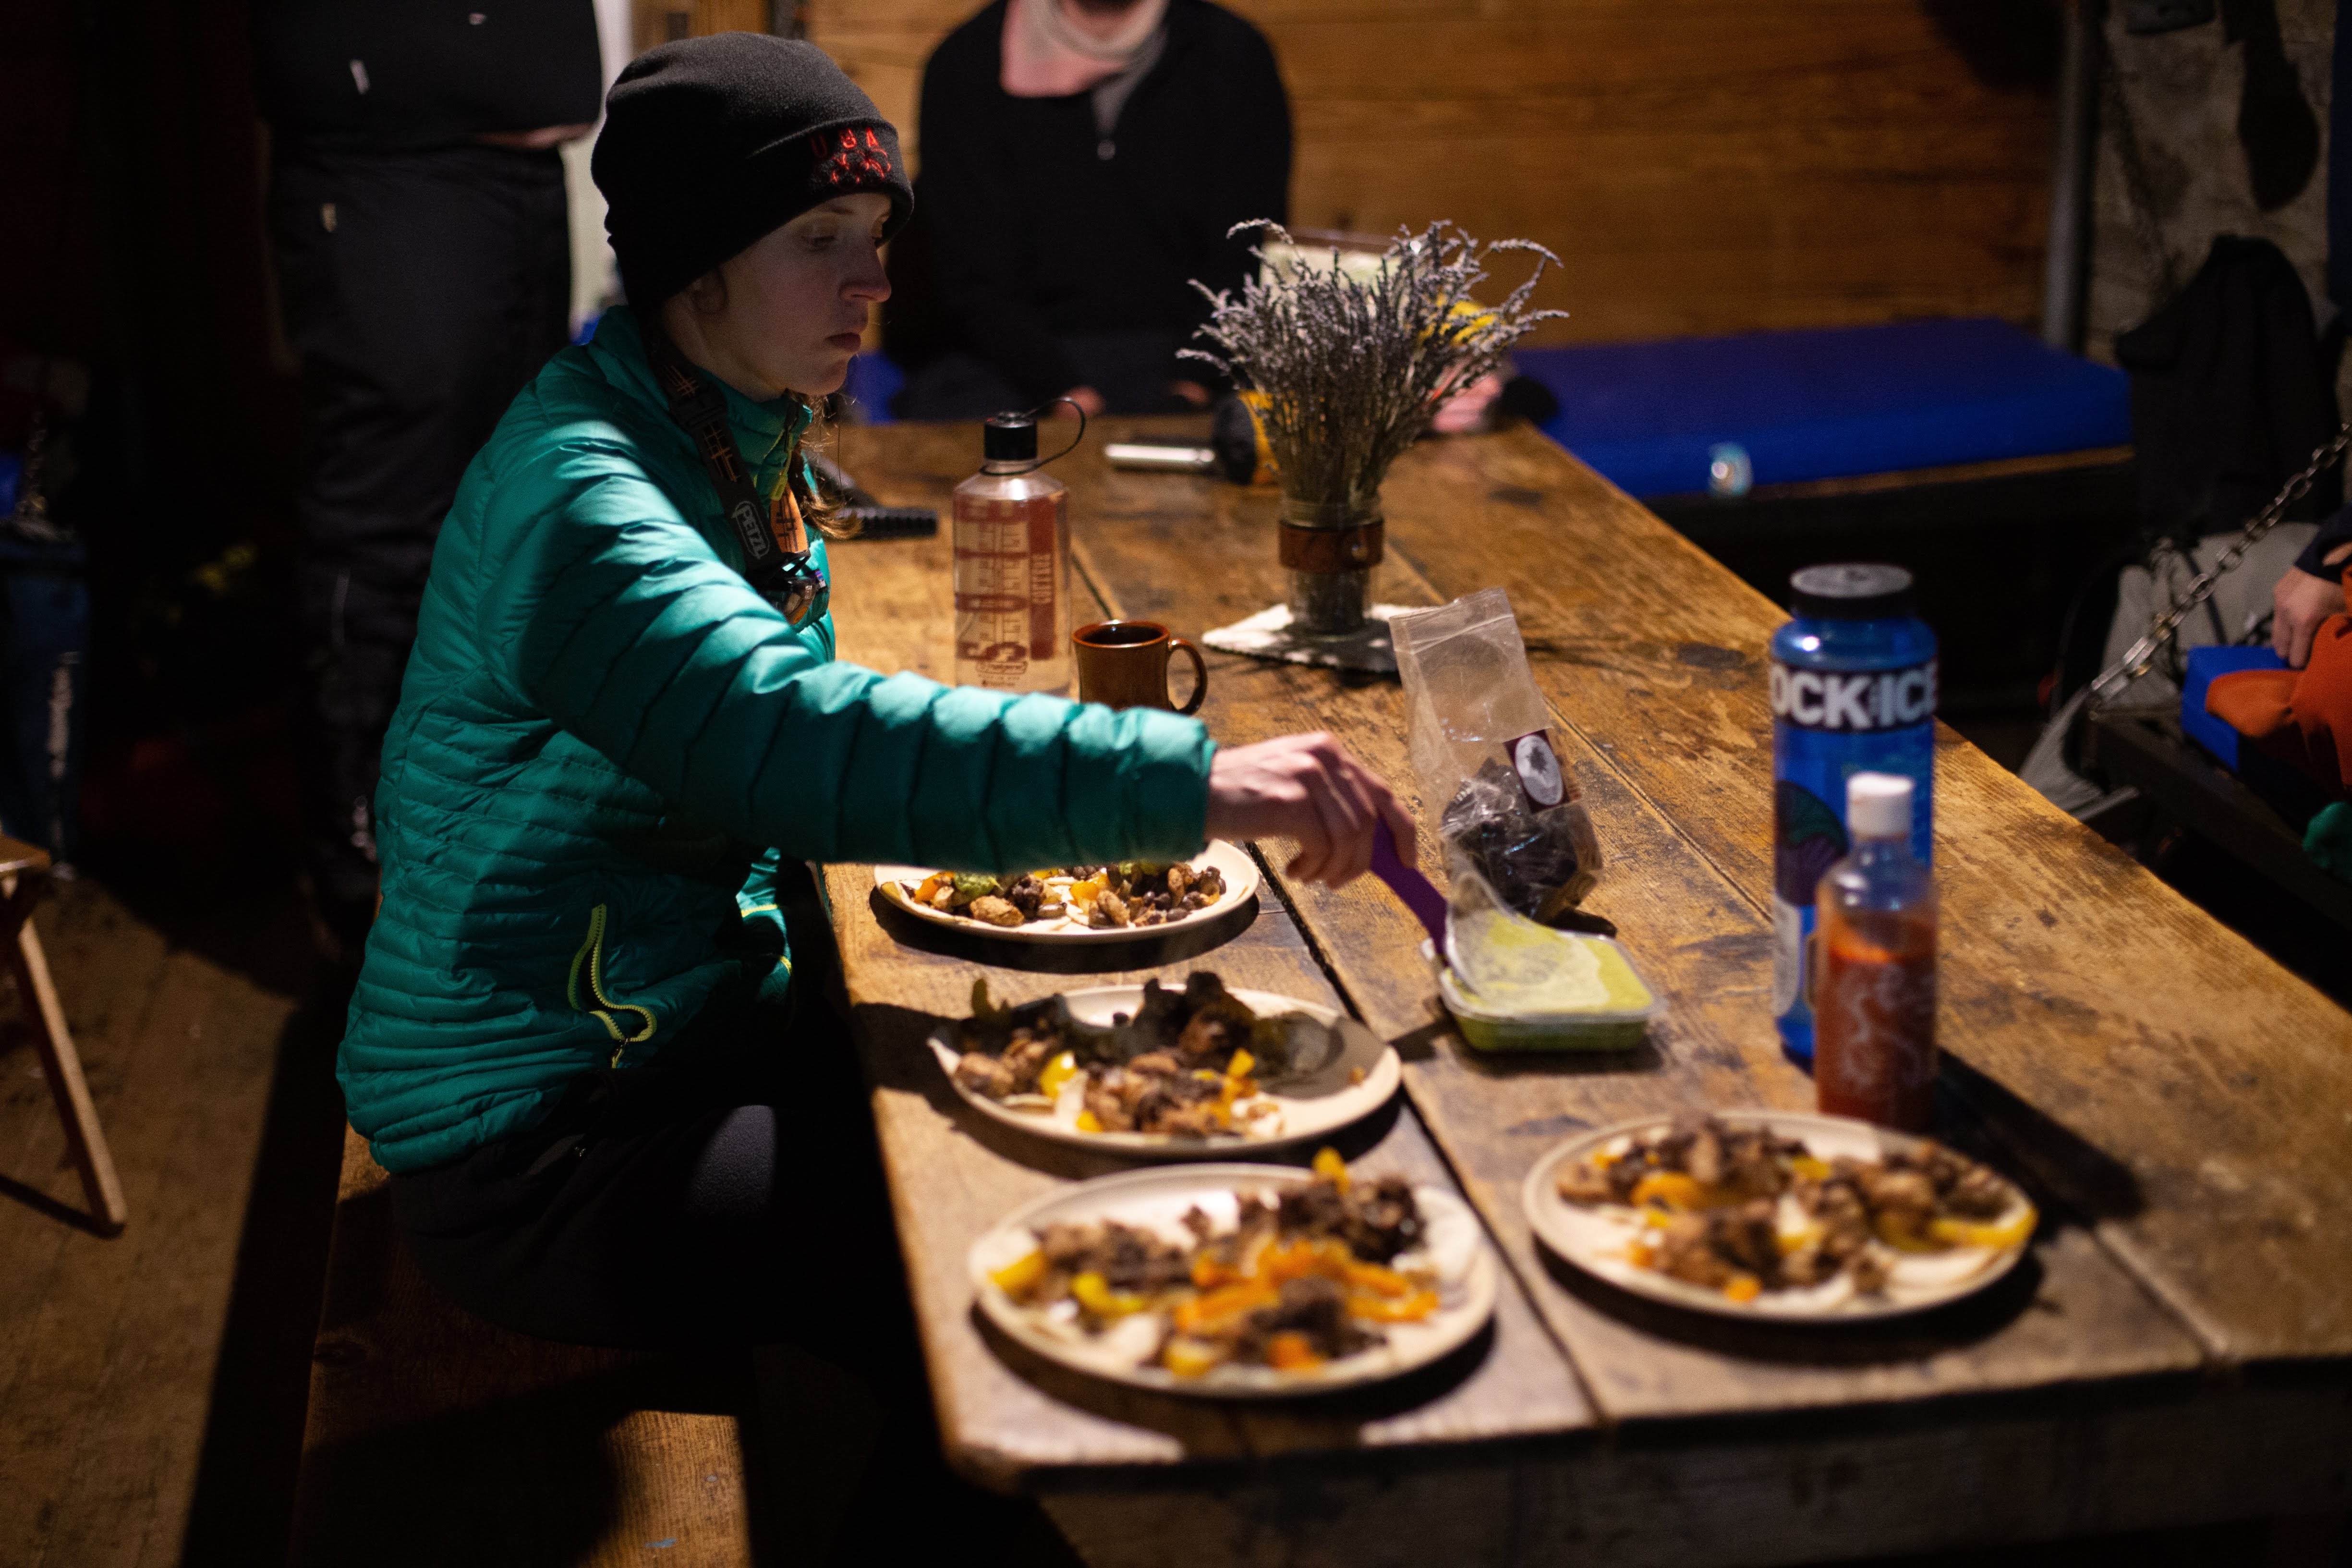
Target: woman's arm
[{"x": 617, "y": 620}]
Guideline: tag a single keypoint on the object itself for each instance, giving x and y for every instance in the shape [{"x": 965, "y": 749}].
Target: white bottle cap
[{"x": 1878, "y": 805}]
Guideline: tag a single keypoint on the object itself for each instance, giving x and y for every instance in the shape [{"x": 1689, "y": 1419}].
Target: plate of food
[
  {"x": 1239, "y": 1281},
  {"x": 1777, "y": 1215},
  {"x": 1077, "y": 903},
  {"x": 1151, "y": 1069}
]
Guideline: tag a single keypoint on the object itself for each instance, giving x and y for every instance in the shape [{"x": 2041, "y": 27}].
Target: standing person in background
[
  {"x": 417, "y": 215},
  {"x": 1082, "y": 161}
]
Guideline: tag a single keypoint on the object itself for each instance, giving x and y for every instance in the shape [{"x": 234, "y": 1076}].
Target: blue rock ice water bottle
[{"x": 1853, "y": 692}]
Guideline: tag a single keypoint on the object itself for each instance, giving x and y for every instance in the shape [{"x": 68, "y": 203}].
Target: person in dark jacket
[
  {"x": 417, "y": 214},
  {"x": 1082, "y": 162}
]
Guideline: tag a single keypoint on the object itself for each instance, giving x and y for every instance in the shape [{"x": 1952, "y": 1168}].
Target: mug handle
[{"x": 1200, "y": 673}]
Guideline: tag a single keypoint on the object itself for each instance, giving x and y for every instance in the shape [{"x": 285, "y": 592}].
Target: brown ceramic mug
[{"x": 1125, "y": 665}]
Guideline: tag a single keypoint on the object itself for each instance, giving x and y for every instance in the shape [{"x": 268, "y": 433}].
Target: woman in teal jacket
[{"x": 568, "y": 1042}]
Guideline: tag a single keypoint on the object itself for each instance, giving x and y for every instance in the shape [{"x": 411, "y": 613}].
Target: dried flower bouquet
[{"x": 1351, "y": 366}]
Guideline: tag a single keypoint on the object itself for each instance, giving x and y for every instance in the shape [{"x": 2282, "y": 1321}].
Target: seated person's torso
[{"x": 544, "y": 911}]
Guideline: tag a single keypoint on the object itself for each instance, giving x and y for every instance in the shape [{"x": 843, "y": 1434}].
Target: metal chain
[{"x": 2137, "y": 660}]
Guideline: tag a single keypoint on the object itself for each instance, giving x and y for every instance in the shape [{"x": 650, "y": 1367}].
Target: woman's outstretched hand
[{"x": 1309, "y": 789}]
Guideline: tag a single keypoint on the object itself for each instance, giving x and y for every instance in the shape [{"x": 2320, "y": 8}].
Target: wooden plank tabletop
[
  {"x": 1008, "y": 1416},
  {"x": 1652, "y": 657},
  {"x": 1709, "y": 951},
  {"x": 2191, "y": 1095}
]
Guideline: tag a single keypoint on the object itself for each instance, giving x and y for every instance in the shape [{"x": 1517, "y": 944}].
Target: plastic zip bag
[{"x": 1507, "y": 813}]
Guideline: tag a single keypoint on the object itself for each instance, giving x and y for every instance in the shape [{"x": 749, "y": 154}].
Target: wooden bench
[{"x": 434, "y": 1437}]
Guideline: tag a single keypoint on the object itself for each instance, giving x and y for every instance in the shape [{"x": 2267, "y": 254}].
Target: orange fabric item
[{"x": 2303, "y": 718}]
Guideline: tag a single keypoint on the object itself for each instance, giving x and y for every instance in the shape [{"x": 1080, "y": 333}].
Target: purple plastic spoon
[{"x": 1427, "y": 904}]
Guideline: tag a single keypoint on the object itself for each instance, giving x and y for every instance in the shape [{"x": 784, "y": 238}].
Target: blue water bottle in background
[{"x": 1853, "y": 692}]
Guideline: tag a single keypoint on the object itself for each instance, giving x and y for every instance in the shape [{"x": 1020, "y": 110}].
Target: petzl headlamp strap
[{"x": 773, "y": 540}]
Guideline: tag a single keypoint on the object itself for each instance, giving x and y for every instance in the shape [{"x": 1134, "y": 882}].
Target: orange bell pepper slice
[
  {"x": 1218, "y": 1308},
  {"x": 1379, "y": 1281},
  {"x": 2007, "y": 1233},
  {"x": 1678, "y": 1191},
  {"x": 1095, "y": 1295},
  {"x": 1191, "y": 1358},
  {"x": 1381, "y": 1309},
  {"x": 1016, "y": 1277}
]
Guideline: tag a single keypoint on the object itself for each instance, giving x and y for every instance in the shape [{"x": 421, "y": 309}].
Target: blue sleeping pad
[{"x": 1825, "y": 404}]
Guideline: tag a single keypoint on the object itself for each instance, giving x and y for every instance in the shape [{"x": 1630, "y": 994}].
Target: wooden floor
[{"x": 147, "y": 1382}]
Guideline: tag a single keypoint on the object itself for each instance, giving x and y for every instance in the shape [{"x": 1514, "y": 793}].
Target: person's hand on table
[
  {"x": 2298, "y": 604},
  {"x": 1308, "y": 788},
  {"x": 1085, "y": 397},
  {"x": 1190, "y": 392}
]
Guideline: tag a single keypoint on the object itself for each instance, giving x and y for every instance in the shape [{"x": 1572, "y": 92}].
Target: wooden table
[{"x": 2178, "y": 1350}]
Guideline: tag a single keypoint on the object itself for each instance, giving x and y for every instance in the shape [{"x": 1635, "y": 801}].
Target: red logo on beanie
[{"x": 849, "y": 159}]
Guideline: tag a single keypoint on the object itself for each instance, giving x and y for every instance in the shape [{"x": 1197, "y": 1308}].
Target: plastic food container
[{"x": 1617, "y": 1026}]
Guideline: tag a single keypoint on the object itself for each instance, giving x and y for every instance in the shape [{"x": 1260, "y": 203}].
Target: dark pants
[
  {"x": 734, "y": 1196},
  {"x": 422, "y": 290},
  {"x": 727, "y": 1193}
]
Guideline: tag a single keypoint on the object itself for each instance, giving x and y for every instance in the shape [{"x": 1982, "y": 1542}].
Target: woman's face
[{"x": 786, "y": 314}]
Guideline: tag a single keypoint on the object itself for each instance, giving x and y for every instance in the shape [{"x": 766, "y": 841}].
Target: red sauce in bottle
[{"x": 1874, "y": 1015}]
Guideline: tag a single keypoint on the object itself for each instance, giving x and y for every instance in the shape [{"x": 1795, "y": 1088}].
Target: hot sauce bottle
[
  {"x": 1012, "y": 541},
  {"x": 1874, "y": 981}
]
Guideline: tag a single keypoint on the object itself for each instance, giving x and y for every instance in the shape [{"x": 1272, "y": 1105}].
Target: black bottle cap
[
  {"x": 1851, "y": 593},
  {"x": 1012, "y": 438}
]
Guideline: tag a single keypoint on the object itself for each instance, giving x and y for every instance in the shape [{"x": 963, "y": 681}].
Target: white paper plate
[
  {"x": 1301, "y": 1120},
  {"x": 1594, "y": 1240},
  {"x": 1157, "y": 1199},
  {"x": 1233, "y": 863}
]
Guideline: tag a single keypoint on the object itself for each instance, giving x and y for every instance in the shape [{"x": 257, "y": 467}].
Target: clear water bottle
[
  {"x": 1012, "y": 542},
  {"x": 1853, "y": 691},
  {"x": 1874, "y": 966}
]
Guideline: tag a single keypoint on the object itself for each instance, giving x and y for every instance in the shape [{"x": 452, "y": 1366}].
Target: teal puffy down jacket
[{"x": 604, "y": 740}]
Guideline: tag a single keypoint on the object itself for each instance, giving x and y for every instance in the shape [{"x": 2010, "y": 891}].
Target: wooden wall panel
[
  {"x": 655, "y": 22},
  {"x": 1699, "y": 165}
]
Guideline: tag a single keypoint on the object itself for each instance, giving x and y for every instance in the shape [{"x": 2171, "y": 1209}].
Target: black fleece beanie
[{"x": 709, "y": 144}]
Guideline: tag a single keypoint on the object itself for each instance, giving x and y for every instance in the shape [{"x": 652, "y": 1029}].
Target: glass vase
[{"x": 1329, "y": 550}]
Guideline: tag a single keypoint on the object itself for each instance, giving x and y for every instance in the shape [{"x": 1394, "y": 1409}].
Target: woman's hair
[{"x": 820, "y": 508}]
